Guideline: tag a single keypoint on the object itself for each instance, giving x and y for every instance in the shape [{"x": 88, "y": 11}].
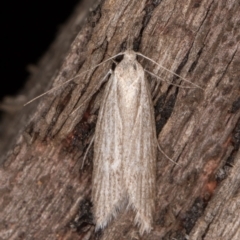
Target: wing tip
[
  {"x": 144, "y": 223},
  {"x": 103, "y": 217}
]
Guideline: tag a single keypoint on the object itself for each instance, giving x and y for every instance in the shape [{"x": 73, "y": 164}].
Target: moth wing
[
  {"x": 107, "y": 194},
  {"x": 140, "y": 165}
]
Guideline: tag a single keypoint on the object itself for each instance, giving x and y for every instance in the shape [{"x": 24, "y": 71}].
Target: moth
[{"x": 125, "y": 145}]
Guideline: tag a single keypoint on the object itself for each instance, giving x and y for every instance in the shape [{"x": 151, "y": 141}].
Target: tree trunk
[{"x": 45, "y": 194}]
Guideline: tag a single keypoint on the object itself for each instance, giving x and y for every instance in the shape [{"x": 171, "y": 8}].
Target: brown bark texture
[{"x": 44, "y": 192}]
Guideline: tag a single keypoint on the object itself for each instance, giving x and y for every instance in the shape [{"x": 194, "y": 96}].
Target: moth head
[{"x": 129, "y": 55}]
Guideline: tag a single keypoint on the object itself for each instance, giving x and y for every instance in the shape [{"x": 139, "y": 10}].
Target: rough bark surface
[{"x": 44, "y": 193}]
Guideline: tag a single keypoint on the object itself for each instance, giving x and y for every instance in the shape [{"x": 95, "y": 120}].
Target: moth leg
[
  {"x": 166, "y": 155},
  {"x": 165, "y": 80},
  {"x": 173, "y": 73},
  {"x": 87, "y": 150},
  {"x": 101, "y": 82}
]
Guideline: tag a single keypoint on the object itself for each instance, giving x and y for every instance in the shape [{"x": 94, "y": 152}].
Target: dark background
[{"x": 28, "y": 28}]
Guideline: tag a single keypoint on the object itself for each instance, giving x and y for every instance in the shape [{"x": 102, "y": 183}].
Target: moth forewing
[{"x": 124, "y": 166}]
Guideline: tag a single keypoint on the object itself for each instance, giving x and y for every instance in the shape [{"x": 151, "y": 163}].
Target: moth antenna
[
  {"x": 54, "y": 88},
  {"x": 139, "y": 54},
  {"x": 177, "y": 85},
  {"x": 167, "y": 155},
  {"x": 50, "y": 90},
  {"x": 102, "y": 81},
  {"x": 87, "y": 150}
]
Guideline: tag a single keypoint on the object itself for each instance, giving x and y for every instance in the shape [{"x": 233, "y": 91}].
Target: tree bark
[{"x": 45, "y": 194}]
